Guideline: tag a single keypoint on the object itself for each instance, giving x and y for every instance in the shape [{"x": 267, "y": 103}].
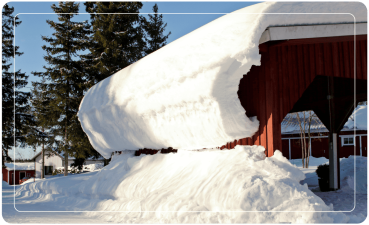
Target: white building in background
[{"x": 54, "y": 160}]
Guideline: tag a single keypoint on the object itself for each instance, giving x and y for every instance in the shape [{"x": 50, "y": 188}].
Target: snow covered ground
[
  {"x": 344, "y": 199},
  {"x": 209, "y": 186}
]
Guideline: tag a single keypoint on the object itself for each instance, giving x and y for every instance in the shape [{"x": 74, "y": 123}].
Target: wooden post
[{"x": 334, "y": 163}]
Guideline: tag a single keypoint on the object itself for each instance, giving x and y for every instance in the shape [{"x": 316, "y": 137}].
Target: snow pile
[
  {"x": 347, "y": 174},
  {"x": 20, "y": 166},
  {"x": 358, "y": 119},
  {"x": 93, "y": 167},
  {"x": 185, "y": 94},
  {"x": 189, "y": 187},
  {"x": 6, "y": 185},
  {"x": 313, "y": 161}
]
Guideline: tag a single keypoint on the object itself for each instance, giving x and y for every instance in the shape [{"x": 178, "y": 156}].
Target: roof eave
[{"x": 312, "y": 31}]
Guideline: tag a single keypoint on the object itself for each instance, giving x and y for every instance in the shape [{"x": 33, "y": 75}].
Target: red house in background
[
  {"x": 17, "y": 173},
  {"x": 352, "y": 139}
]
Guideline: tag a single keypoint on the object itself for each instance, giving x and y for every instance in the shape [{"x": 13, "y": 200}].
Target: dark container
[{"x": 324, "y": 185}]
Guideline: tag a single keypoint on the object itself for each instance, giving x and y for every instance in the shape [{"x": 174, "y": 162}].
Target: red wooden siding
[
  {"x": 319, "y": 146},
  {"x": 14, "y": 175},
  {"x": 5, "y": 175},
  {"x": 285, "y": 148},
  {"x": 346, "y": 151}
]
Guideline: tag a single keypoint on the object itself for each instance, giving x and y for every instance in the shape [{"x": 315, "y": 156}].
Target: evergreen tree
[
  {"x": 117, "y": 40},
  {"x": 42, "y": 133},
  {"x": 65, "y": 81},
  {"x": 154, "y": 29},
  {"x": 12, "y": 96}
]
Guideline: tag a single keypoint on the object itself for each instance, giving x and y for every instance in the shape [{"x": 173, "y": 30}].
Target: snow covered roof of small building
[
  {"x": 88, "y": 158},
  {"x": 47, "y": 153},
  {"x": 184, "y": 95},
  {"x": 61, "y": 155},
  {"x": 290, "y": 124},
  {"x": 20, "y": 166}
]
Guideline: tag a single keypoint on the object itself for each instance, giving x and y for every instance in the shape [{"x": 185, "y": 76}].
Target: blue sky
[{"x": 33, "y": 26}]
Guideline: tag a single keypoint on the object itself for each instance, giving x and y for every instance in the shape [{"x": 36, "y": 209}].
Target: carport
[{"x": 311, "y": 67}]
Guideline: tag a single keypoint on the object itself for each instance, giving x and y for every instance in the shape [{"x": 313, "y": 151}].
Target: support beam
[
  {"x": 289, "y": 148},
  {"x": 361, "y": 151},
  {"x": 334, "y": 163}
]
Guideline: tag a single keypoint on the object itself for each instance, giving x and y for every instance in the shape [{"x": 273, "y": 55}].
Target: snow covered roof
[
  {"x": 185, "y": 94},
  {"x": 358, "y": 119},
  {"x": 61, "y": 155},
  {"x": 313, "y": 31},
  {"x": 290, "y": 124},
  {"x": 46, "y": 153},
  {"x": 20, "y": 166}
]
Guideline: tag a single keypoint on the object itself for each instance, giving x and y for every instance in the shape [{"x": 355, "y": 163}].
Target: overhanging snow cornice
[{"x": 311, "y": 31}]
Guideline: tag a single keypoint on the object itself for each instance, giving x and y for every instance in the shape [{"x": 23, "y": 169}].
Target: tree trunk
[
  {"x": 308, "y": 158},
  {"x": 305, "y": 150},
  {"x": 42, "y": 160},
  {"x": 3, "y": 155},
  {"x": 66, "y": 113},
  {"x": 309, "y": 136},
  {"x": 65, "y": 163},
  {"x": 301, "y": 141},
  {"x": 66, "y": 136}
]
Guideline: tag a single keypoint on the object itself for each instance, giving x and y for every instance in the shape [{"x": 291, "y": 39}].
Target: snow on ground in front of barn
[
  {"x": 347, "y": 172},
  {"x": 185, "y": 94},
  {"x": 344, "y": 199},
  {"x": 210, "y": 186}
]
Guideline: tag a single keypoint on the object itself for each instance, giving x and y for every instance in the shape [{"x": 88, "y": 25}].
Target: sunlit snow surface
[
  {"x": 185, "y": 94},
  {"x": 187, "y": 187}
]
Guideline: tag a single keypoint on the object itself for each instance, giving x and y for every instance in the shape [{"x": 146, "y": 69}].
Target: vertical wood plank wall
[{"x": 287, "y": 68}]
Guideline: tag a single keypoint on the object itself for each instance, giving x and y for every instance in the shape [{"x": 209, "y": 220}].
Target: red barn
[
  {"x": 17, "y": 173},
  {"x": 352, "y": 139}
]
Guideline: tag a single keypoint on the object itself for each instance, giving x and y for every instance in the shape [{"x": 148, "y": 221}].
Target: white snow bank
[
  {"x": 189, "y": 187},
  {"x": 6, "y": 185},
  {"x": 185, "y": 94},
  {"x": 358, "y": 119},
  {"x": 313, "y": 161},
  {"x": 347, "y": 172},
  {"x": 20, "y": 166},
  {"x": 93, "y": 167}
]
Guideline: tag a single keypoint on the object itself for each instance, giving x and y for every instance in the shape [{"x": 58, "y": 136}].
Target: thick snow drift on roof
[
  {"x": 185, "y": 94},
  {"x": 20, "y": 166},
  {"x": 210, "y": 186},
  {"x": 358, "y": 119}
]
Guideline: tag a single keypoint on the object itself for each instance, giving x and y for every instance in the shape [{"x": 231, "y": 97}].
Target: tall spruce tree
[
  {"x": 65, "y": 79},
  {"x": 118, "y": 39},
  {"x": 154, "y": 28},
  {"x": 14, "y": 101},
  {"x": 42, "y": 134}
]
